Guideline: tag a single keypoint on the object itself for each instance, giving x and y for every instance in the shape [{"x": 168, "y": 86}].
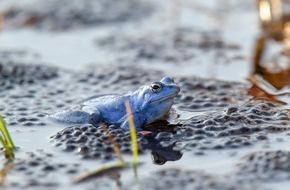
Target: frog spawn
[
  {"x": 183, "y": 47},
  {"x": 253, "y": 171},
  {"x": 13, "y": 74},
  {"x": 92, "y": 142},
  {"x": 266, "y": 165},
  {"x": 234, "y": 127},
  {"x": 38, "y": 170},
  {"x": 199, "y": 94},
  {"x": 173, "y": 178}
]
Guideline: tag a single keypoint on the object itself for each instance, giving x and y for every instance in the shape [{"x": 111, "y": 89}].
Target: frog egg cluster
[
  {"x": 38, "y": 169},
  {"x": 93, "y": 142},
  {"x": 120, "y": 79},
  {"x": 22, "y": 89},
  {"x": 185, "y": 44},
  {"x": 67, "y": 14},
  {"x": 200, "y": 94},
  {"x": 173, "y": 178},
  {"x": 266, "y": 165},
  {"x": 235, "y": 127},
  {"x": 245, "y": 119},
  {"x": 13, "y": 74}
]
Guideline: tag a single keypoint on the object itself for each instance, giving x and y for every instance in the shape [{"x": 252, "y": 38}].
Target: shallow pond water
[{"x": 205, "y": 45}]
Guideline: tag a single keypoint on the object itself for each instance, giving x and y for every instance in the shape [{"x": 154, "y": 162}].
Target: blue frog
[{"x": 148, "y": 104}]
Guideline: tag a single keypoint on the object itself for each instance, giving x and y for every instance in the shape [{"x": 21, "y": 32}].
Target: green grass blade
[
  {"x": 3, "y": 143},
  {"x": 6, "y": 134},
  {"x": 8, "y": 152},
  {"x": 133, "y": 137}
]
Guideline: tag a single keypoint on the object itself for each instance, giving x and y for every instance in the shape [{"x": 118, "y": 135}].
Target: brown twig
[{"x": 112, "y": 141}]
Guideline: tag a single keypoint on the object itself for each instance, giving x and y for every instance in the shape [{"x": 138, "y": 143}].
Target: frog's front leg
[
  {"x": 138, "y": 122},
  {"x": 94, "y": 114}
]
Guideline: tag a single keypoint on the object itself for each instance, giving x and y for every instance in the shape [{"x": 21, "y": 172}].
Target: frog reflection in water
[
  {"x": 160, "y": 154},
  {"x": 149, "y": 103}
]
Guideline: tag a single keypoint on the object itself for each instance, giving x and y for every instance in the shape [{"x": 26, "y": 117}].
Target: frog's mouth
[{"x": 163, "y": 98}]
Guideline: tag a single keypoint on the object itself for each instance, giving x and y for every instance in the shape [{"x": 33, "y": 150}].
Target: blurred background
[{"x": 225, "y": 39}]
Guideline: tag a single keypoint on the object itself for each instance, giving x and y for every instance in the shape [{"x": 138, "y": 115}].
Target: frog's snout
[{"x": 175, "y": 88}]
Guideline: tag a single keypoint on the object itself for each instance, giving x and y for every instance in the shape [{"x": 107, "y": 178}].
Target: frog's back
[
  {"x": 108, "y": 103},
  {"x": 111, "y": 107},
  {"x": 108, "y": 108}
]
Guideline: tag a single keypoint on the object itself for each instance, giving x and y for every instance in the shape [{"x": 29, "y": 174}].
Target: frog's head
[{"x": 158, "y": 97}]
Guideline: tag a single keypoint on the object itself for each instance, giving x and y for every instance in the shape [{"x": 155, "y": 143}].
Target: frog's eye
[{"x": 155, "y": 87}]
